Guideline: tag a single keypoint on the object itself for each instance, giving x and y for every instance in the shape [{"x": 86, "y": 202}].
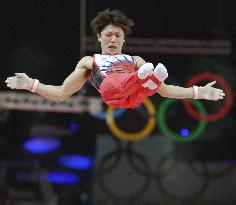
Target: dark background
[{"x": 42, "y": 39}]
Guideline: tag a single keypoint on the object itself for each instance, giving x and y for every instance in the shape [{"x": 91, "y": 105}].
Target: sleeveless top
[{"x": 104, "y": 65}]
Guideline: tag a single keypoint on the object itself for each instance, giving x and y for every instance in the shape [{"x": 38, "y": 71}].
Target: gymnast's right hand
[{"x": 19, "y": 81}]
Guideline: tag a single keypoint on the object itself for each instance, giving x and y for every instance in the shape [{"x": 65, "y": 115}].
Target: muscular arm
[
  {"x": 170, "y": 91},
  {"x": 71, "y": 84},
  {"x": 177, "y": 92},
  {"x": 206, "y": 92}
]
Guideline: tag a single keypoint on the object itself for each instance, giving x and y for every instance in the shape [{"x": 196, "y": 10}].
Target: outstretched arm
[
  {"x": 71, "y": 84},
  {"x": 206, "y": 92}
]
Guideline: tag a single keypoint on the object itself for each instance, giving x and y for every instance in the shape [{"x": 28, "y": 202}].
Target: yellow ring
[{"x": 135, "y": 135}]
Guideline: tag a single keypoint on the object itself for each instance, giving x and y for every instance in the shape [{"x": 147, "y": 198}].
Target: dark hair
[{"x": 114, "y": 17}]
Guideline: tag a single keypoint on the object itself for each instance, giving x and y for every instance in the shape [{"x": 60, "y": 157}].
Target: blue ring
[{"x": 102, "y": 116}]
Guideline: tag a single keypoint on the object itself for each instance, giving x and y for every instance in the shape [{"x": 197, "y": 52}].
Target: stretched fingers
[
  {"x": 220, "y": 94},
  {"x": 10, "y": 82},
  {"x": 9, "y": 79}
]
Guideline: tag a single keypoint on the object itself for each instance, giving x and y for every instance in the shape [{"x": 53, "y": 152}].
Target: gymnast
[{"x": 123, "y": 81}]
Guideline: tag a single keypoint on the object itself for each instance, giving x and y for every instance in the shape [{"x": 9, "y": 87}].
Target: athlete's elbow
[
  {"x": 163, "y": 93},
  {"x": 166, "y": 91},
  {"x": 62, "y": 98},
  {"x": 64, "y": 95}
]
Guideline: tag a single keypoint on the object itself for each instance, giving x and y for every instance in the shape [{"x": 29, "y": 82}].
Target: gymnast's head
[{"x": 111, "y": 27}]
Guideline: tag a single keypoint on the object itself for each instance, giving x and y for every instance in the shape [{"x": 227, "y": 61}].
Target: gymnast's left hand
[{"x": 210, "y": 93}]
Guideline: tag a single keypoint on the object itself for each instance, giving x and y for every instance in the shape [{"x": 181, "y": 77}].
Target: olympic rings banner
[
  {"x": 147, "y": 149},
  {"x": 156, "y": 116},
  {"x": 157, "y": 175}
]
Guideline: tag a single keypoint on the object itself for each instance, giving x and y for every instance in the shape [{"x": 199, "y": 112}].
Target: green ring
[{"x": 172, "y": 135}]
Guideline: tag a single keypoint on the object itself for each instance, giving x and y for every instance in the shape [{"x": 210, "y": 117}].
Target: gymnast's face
[{"x": 112, "y": 39}]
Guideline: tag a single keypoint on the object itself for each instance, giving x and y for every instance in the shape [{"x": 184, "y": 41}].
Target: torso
[{"x": 104, "y": 65}]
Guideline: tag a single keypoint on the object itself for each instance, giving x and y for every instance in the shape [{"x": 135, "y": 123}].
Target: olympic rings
[
  {"x": 137, "y": 191},
  {"x": 113, "y": 164},
  {"x": 197, "y": 111},
  {"x": 169, "y": 133},
  {"x": 102, "y": 115},
  {"x": 170, "y": 172},
  {"x": 210, "y": 170},
  {"x": 228, "y": 99},
  {"x": 136, "y": 135}
]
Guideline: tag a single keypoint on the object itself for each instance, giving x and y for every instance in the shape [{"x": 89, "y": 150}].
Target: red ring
[{"x": 228, "y": 98}]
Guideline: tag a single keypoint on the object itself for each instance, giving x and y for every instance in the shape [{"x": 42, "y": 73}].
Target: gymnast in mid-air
[{"x": 123, "y": 81}]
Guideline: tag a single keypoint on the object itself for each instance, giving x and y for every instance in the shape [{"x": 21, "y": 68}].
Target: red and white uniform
[{"x": 116, "y": 79}]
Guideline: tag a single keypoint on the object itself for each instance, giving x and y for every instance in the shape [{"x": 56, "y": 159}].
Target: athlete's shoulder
[
  {"x": 85, "y": 62},
  {"x": 87, "y": 58}
]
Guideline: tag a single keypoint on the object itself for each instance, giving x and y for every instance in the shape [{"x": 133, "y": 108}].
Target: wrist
[
  {"x": 33, "y": 85},
  {"x": 30, "y": 84},
  {"x": 195, "y": 92},
  {"x": 201, "y": 92}
]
